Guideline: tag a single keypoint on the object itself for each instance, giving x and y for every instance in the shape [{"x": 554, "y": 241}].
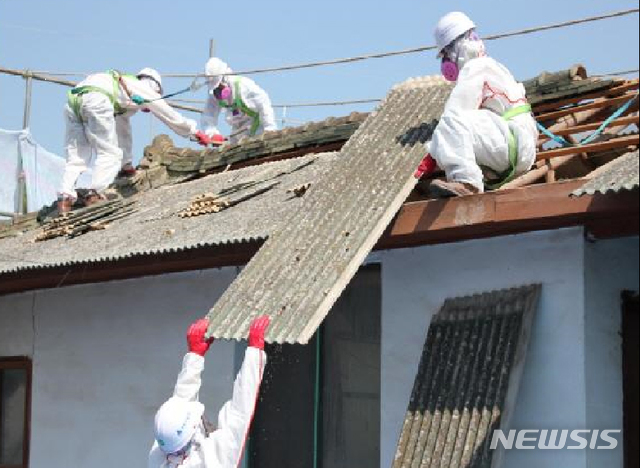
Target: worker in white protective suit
[
  {"x": 487, "y": 134},
  {"x": 97, "y": 118},
  {"x": 182, "y": 436},
  {"x": 248, "y": 107}
]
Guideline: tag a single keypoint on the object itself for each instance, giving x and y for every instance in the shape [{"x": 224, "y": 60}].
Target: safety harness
[
  {"x": 75, "y": 95},
  {"x": 510, "y": 173},
  {"x": 239, "y": 105}
]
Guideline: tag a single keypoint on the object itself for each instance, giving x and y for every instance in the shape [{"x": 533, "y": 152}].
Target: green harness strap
[
  {"x": 239, "y": 105},
  {"x": 74, "y": 96},
  {"x": 510, "y": 174}
]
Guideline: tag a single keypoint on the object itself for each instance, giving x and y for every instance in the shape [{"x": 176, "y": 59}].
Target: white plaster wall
[
  {"x": 611, "y": 267},
  {"x": 417, "y": 281},
  {"x": 106, "y": 357}
]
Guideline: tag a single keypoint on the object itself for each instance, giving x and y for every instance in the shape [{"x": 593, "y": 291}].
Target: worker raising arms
[{"x": 181, "y": 436}]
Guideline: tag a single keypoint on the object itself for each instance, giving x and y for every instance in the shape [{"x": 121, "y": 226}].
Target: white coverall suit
[
  {"x": 473, "y": 132},
  {"x": 93, "y": 124},
  {"x": 223, "y": 448},
  {"x": 249, "y": 110}
]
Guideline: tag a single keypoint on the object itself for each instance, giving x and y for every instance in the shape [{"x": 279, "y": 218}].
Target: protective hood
[
  {"x": 451, "y": 27},
  {"x": 464, "y": 49},
  {"x": 153, "y": 76},
  {"x": 176, "y": 423},
  {"x": 215, "y": 70}
]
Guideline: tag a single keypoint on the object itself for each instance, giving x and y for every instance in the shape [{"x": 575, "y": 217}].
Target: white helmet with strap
[
  {"x": 451, "y": 27},
  {"x": 176, "y": 423},
  {"x": 215, "y": 70},
  {"x": 153, "y": 75}
]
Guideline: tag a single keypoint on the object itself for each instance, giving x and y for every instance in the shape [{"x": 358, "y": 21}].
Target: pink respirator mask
[
  {"x": 464, "y": 49},
  {"x": 449, "y": 69},
  {"x": 223, "y": 93}
]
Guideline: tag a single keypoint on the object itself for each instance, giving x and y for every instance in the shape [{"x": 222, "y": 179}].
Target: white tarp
[{"x": 42, "y": 169}]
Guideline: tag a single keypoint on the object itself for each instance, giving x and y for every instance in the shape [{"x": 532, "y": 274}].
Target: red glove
[
  {"x": 426, "y": 167},
  {"x": 195, "y": 337},
  {"x": 257, "y": 331},
  {"x": 217, "y": 140},
  {"x": 202, "y": 138}
]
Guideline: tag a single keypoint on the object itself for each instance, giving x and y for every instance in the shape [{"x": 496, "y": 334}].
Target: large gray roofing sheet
[
  {"x": 304, "y": 266},
  {"x": 619, "y": 175},
  {"x": 467, "y": 380},
  {"x": 157, "y": 228}
]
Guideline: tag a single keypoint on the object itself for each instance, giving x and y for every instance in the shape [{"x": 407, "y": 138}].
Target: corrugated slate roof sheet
[
  {"x": 468, "y": 377},
  {"x": 156, "y": 227},
  {"x": 618, "y": 175},
  {"x": 304, "y": 266}
]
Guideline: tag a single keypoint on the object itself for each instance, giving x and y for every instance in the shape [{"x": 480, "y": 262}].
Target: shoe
[
  {"x": 65, "y": 204},
  {"x": 92, "y": 197},
  {"x": 127, "y": 171},
  {"x": 442, "y": 189}
]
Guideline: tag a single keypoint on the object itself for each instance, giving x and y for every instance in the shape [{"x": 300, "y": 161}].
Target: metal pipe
[
  {"x": 27, "y": 100},
  {"x": 71, "y": 84}
]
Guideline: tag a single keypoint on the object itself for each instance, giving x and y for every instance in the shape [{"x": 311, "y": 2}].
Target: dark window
[
  {"x": 15, "y": 394},
  {"x": 320, "y": 403},
  {"x": 630, "y": 356}
]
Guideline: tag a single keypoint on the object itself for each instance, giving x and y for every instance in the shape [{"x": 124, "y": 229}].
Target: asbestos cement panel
[
  {"x": 468, "y": 380},
  {"x": 619, "y": 175},
  {"x": 304, "y": 266}
]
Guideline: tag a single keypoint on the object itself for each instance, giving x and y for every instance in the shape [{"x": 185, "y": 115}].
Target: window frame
[{"x": 24, "y": 363}]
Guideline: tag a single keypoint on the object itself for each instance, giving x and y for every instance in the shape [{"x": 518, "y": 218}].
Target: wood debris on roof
[
  {"x": 208, "y": 203},
  {"x": 92, "y": 218}
]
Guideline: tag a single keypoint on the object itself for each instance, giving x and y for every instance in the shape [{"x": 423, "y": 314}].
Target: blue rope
[
  {"x": 140, "y": 100},
  {"x": 597, "y": 133}
]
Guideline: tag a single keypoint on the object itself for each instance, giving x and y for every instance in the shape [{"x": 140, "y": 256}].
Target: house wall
[
  {"x": 105, "y": 357},
  {"x": 610, "y": 267},
  {"x": 553, "y": 392}
]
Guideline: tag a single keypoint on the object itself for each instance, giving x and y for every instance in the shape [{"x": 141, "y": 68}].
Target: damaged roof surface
[
  {"x": 618, "y": 175},
  {"x": 304, "y": 266},
  {"x": 155, "y": 226},
  {"x": 149, "y": 226},
  {"x": 467, "y": 380}
]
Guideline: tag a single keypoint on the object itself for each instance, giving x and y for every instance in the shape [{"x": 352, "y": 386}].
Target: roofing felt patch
[
  {"x": 467, "y": 380},
  {"x": 618, "y": 175},
  {"x": 304, "y": 266}
]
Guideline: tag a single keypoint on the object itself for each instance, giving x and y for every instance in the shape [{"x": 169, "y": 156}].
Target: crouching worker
[
  {"x": 97, "y": 120},
  {"x": 182, "y": 438},
  {"x": 487, "y": 135}
]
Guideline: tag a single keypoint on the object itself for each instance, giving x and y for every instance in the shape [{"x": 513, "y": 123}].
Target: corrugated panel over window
[{"x": 467, "y": 380}]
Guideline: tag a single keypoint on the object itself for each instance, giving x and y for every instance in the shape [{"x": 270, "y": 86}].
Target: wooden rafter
[{"x": 620, "y": 142}]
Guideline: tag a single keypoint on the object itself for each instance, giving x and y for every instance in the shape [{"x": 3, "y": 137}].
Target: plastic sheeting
[{"x": 42, "y": 169}]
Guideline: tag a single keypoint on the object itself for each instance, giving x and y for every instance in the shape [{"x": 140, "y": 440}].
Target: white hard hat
[
  {"x": 215, "y": 70},
  {"x": 450, "y": 27},
  {"x": 176, "y": 423},
  {"x": 153, "y": 75}
]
